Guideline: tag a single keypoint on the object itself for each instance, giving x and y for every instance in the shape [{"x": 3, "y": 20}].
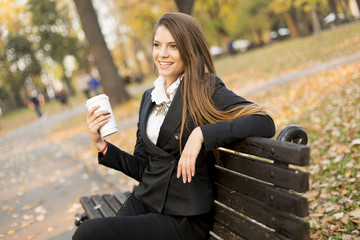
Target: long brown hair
[{"x": 199, "y": 73}]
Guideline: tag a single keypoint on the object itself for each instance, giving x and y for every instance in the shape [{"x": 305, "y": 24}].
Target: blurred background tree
[
  {"x": 20, "y": 65},
  {"x": 57, "y": 39},
  {"x": 114, "y": 85},
  {"x": 43, "y": 43},
  {"x": 185, "y": 6}
]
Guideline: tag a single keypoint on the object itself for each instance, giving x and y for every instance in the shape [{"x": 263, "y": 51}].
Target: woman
[{"x": 182, "y": 120}]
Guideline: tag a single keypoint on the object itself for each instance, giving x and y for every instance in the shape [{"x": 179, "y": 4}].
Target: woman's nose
[{"x": 163, "y": 52}]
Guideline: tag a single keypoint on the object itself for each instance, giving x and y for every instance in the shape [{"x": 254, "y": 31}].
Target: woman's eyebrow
[{"x": 172, "y": 42}]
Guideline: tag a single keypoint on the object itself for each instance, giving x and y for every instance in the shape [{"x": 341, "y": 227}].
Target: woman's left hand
[{"x": 186, "y": 166}]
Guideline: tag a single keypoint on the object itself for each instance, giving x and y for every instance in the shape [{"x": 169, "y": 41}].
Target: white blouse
[{"x": 158, "y": 113}]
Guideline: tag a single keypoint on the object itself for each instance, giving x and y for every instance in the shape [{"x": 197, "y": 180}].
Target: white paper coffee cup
[{"x": 102, "y": 100}]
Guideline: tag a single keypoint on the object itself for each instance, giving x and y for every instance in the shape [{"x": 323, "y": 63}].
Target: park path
[{"x": 41, "y": 180}]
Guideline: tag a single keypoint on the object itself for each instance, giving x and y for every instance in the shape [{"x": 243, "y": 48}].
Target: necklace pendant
[{"x": 161, "y": 109}]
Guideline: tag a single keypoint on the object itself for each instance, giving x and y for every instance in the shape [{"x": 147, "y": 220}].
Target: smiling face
[{"x": 166, "y": 55}]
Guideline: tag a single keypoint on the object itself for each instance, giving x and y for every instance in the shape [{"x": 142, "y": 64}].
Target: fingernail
[{"x": 184, "y": 181}]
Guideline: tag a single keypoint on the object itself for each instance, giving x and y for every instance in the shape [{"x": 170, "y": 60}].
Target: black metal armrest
[{"x": 294, "y": 134}]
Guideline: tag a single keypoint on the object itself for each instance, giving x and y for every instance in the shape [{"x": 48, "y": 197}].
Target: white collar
[{"x": 158, "y": 95}]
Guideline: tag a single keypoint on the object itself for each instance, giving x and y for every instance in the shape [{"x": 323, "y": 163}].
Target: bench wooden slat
[
  {"x": 280, "y": 176},
  {"x": 224, "y": 233},
  {"x": 282, "y": 222},
  {"x": 277, "y": 198},
  {"x": 88, "y": 206},
  {"x": 112, "y": 202},
  {"x": 275, "y": 150},
  {"x": 240, "y": 225},
  {"x": 104, "y": 209}
]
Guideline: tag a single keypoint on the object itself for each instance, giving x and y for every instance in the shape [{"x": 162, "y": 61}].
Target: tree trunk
[
  {"x": 315, "y": 21},
  {"x": 333, "y": 8},
  {"x": 294, "y": 33},
  {"x": 185, "y": 6},
  {"x": 301, "y": 22},
  {"x": 355, "y": 8},
  {"x": 113, "y": 84},
  {"x": 344, "y": 5},
  {"x": 137, "y": 49}
]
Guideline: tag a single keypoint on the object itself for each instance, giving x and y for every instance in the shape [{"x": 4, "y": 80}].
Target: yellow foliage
[{"x": 13, "y": 15}]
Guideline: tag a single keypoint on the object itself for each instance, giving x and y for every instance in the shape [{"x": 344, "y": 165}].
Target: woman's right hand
[{"x": 94, "y": 121}]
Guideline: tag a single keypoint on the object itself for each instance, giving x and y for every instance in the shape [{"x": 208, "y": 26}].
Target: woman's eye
[
  {"x": 156, "y": 44},
  {"x": 173, "y": 46}
]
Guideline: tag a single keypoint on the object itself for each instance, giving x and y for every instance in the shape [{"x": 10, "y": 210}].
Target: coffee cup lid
[{"x": 96, "y": 98}]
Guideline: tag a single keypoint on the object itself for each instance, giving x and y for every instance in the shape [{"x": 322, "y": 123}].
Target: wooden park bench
[{"x": 258, "y": 191}]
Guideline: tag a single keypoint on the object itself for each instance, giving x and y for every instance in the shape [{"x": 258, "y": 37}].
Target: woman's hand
[
  {"x": 186, "y": 166},
  {"x": 94, "y": 121}
]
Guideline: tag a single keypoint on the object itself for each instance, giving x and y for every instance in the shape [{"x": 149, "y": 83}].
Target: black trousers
[{"x": 136, "y": 221}]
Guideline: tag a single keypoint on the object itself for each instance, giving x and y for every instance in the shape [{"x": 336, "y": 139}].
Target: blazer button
[
  {"x": 173, "y": 162},
  {"x": 177, "y": 136}
]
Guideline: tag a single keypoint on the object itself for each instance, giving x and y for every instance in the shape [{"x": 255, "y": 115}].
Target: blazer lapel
[
  {"x": 144, "y": 115},
  {"x": 172, "y": 119}
]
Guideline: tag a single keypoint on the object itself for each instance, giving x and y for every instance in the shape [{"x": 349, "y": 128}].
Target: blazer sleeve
[
  {"x": 222, "y": 133},
  {"x": 131, "y": 165}
]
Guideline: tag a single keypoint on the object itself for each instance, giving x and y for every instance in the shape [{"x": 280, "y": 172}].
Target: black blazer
[{"x": 155, "y": 166}]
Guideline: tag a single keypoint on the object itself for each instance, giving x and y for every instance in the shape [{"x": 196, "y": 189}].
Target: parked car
[
  {"x": 330, "y": 19},
  {"x": 241, "y": 45},
  {"x": 217, "y": 51},
  {"x": 280, "y": 34}
]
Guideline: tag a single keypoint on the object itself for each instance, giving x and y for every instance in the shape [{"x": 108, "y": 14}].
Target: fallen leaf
[
  {"x": 346, "y": 237},
  {"x": 355, "y": 220},
  {"x": 8, "y": 208},
  {"x": 28, "y": 207},
  {"x": 27, "y": 217},
  {"x": 40, "y": 218},
  {"x": 345, "y": 220},
  {"x": 25, "y": 224},
  {"x": 10, "y": 232},
  {"x": 320, "y": 210},
  {"x": 355, "y": 213},
  {"x": 32, "y": 236},
  {"x": 338, "y": 215},
  {"x": 40, "y": 209},
  {"x": 74, "y": 207}
]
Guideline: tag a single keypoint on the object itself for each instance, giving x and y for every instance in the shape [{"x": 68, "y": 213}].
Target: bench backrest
[{"x": 258, "y": 196}]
